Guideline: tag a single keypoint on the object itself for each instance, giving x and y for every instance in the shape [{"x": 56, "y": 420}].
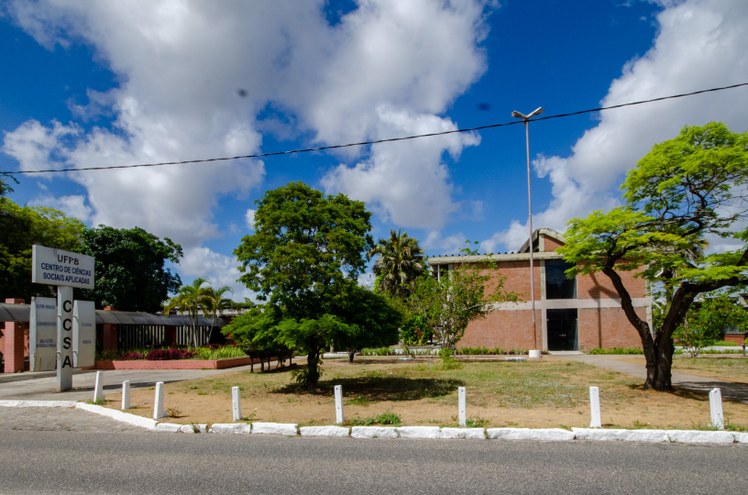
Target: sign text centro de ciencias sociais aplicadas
[{"x": 59, "y": 267}]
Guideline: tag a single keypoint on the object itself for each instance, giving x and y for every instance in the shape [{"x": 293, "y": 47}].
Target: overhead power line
[{"x": 372, "y": 142}]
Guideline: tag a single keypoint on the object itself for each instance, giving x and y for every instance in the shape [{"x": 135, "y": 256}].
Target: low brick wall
[{"x": 177, "y": 364}]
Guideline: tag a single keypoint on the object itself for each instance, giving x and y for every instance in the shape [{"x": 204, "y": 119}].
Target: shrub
[
  {"x": 164, "y": 354},
  {"x": 617, "y": 350}
]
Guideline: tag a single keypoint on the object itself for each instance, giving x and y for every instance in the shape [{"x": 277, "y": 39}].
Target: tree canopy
[
  {"x": 684, "y": 193},
  {"x": 304, "y": 259},
  {"x": 399, "y": 263},
  {"x": 20, "y": 228},
  {"x": 305, "y": 245},
  {"x": 131, "y": 272}
]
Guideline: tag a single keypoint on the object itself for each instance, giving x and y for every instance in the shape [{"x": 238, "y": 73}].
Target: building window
[{"x": 557, "y": 285}]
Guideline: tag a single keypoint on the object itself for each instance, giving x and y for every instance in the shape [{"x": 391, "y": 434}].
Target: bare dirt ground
[{"x": 550, "y": 393}]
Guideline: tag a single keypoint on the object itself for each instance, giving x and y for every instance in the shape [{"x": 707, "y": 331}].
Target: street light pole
[{"x": 526, "y": 123}]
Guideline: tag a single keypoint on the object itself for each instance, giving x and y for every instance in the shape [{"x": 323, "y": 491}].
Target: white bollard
[
  {"x": 236, "y": 409},
  {"x": 158, "y": 403},
  {"x": 715, "y": 408},
  {"x": 339, "y": 419},
  {"x": 461, "y": 406},
  {"x": 126, "y": 395},
  {"x": 98, "y": 389},
  {"x": 595, "y": 407}
]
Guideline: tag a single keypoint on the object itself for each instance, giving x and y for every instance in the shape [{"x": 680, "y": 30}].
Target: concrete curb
[
  {"x": 38, "y": 403},
  {"x": 413, "y": 432}
]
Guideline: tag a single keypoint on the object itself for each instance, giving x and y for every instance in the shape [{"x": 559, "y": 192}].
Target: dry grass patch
[{"x": 553, "y": 392}]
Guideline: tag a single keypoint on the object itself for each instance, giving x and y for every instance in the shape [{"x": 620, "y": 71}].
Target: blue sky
[{"x": 113, "y": 83}]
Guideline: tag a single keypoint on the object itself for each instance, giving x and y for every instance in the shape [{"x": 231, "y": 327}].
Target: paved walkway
[{"x": 730, "y": 390}]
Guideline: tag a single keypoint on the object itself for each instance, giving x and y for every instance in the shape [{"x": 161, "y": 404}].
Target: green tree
[
  {"x": 398, "y": 265},
  {"x": 20, "y": 228},
  {"x": 448, "y": 305},
  {"x": 682, "y": 193},
  {"x": 131, "y": 272},
  {"x": 373, "y": 320},
  {"x": 190, "y": 300},
  {"x": 705, "y": 322},
  {"x": 256, "y": 332},
  {"x": 307, "y": 249}
]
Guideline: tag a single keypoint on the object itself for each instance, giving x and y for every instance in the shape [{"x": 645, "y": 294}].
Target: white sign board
[
  {"x": 43, "y": 334},
  {"x": 84, "y": 334},
  {"x": 58, "y": 267}
]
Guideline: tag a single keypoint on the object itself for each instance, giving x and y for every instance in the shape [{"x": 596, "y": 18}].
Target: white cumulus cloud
[{"x": 700, "y": 44}]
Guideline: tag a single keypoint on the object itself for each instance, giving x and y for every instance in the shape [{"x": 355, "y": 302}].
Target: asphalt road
[{"x": 122, "y": 463}]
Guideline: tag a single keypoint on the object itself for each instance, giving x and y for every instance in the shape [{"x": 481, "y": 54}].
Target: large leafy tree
[
  {"x": 307, "y": 249},
  {"x": 20, "y": 228},
  {"x": 131, "y": 271},
  {"x": 706, "y": 321},
  {"x": 399, "y": 263},
  {"x": 685, "y": 192}
]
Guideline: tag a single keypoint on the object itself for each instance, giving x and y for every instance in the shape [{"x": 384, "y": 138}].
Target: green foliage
[
  {"x": 446, "y": 306},
  {"x": 304, "y": 259},
  {"x": 704, "y": 323},
  {"x": 398, "y": 265},
  {"x": 224, "y": 352},
  {"x": 617, "y": 350},
  {"x": 4, "y": 187},
  {"x": 195, "y": 298},
  {"x": 372, "y": 320},
  {"x": 448, "y": 361},
  {"x": 20, "y": 228},
  {"x": 131, "y": 272},
  {"x": 255, "y": 332},
  {"x": 304, "y": 247},
  {"x": 415, "y": 331},
  {"x": 386, "y": 418},
  {"x": 682, "y": 193}
]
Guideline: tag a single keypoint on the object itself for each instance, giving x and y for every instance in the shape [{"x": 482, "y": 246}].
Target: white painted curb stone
[
  {"x": 118, "y": 415},
  {"x": 196, "y": 428},
  {"x": 229, "y": 428},
  {"x": 620, "y": 435},
  {"x": 463, "y": 433},
  {"x": 324, "y": 431},
  {"x": 418, "y": 431},
  {"x": 689, "y": 436},
  {"x": 537, "y": 434},
  {"x": 740, "y": 436},
  {"x": 288, "y": 429},
  {"x": 38, "y": 403},
  {"x": 168, "y": 427},
  {"x": 373, "y": 432}
]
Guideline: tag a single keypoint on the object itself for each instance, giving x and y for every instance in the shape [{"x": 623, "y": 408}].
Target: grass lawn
[{"x": 553, "y": 392}]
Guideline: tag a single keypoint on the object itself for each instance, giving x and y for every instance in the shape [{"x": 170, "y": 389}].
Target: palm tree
[
  {"x": 399, "y": 264},
  {"x": 216, "y": 303},
  {"x": 190, "y": 300}
]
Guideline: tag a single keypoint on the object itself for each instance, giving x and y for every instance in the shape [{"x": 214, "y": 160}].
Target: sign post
[{"x": 66, "y": 270}]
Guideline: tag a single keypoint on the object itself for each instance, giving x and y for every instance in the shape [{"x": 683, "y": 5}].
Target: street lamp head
[
  {"x": 518, "y": 115},
  {"x": 535, "y": 113}
]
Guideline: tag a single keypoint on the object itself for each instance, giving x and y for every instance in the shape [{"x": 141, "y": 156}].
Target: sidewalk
[
  {"x": 42, "y": 385},
  {"x": 702, "y": 385}
]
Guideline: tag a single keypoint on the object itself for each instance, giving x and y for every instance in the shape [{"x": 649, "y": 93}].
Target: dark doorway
[{"x": 562, "y": 330}]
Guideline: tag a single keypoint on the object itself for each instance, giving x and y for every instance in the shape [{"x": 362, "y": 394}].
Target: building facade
[{"x": 576, "y": 314}]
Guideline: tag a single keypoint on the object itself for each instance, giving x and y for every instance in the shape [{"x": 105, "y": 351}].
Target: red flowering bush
[{"x": 163, "y": 354}]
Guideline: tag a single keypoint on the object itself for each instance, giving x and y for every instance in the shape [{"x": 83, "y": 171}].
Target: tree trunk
[
  {"x": 659, "y": 358},
  {"x": 351, "y": 354},
  {"x": 312, "y": 365}
]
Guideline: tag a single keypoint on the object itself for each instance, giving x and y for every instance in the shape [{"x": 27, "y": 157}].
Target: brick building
[{"x": 571, "y": 314}]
